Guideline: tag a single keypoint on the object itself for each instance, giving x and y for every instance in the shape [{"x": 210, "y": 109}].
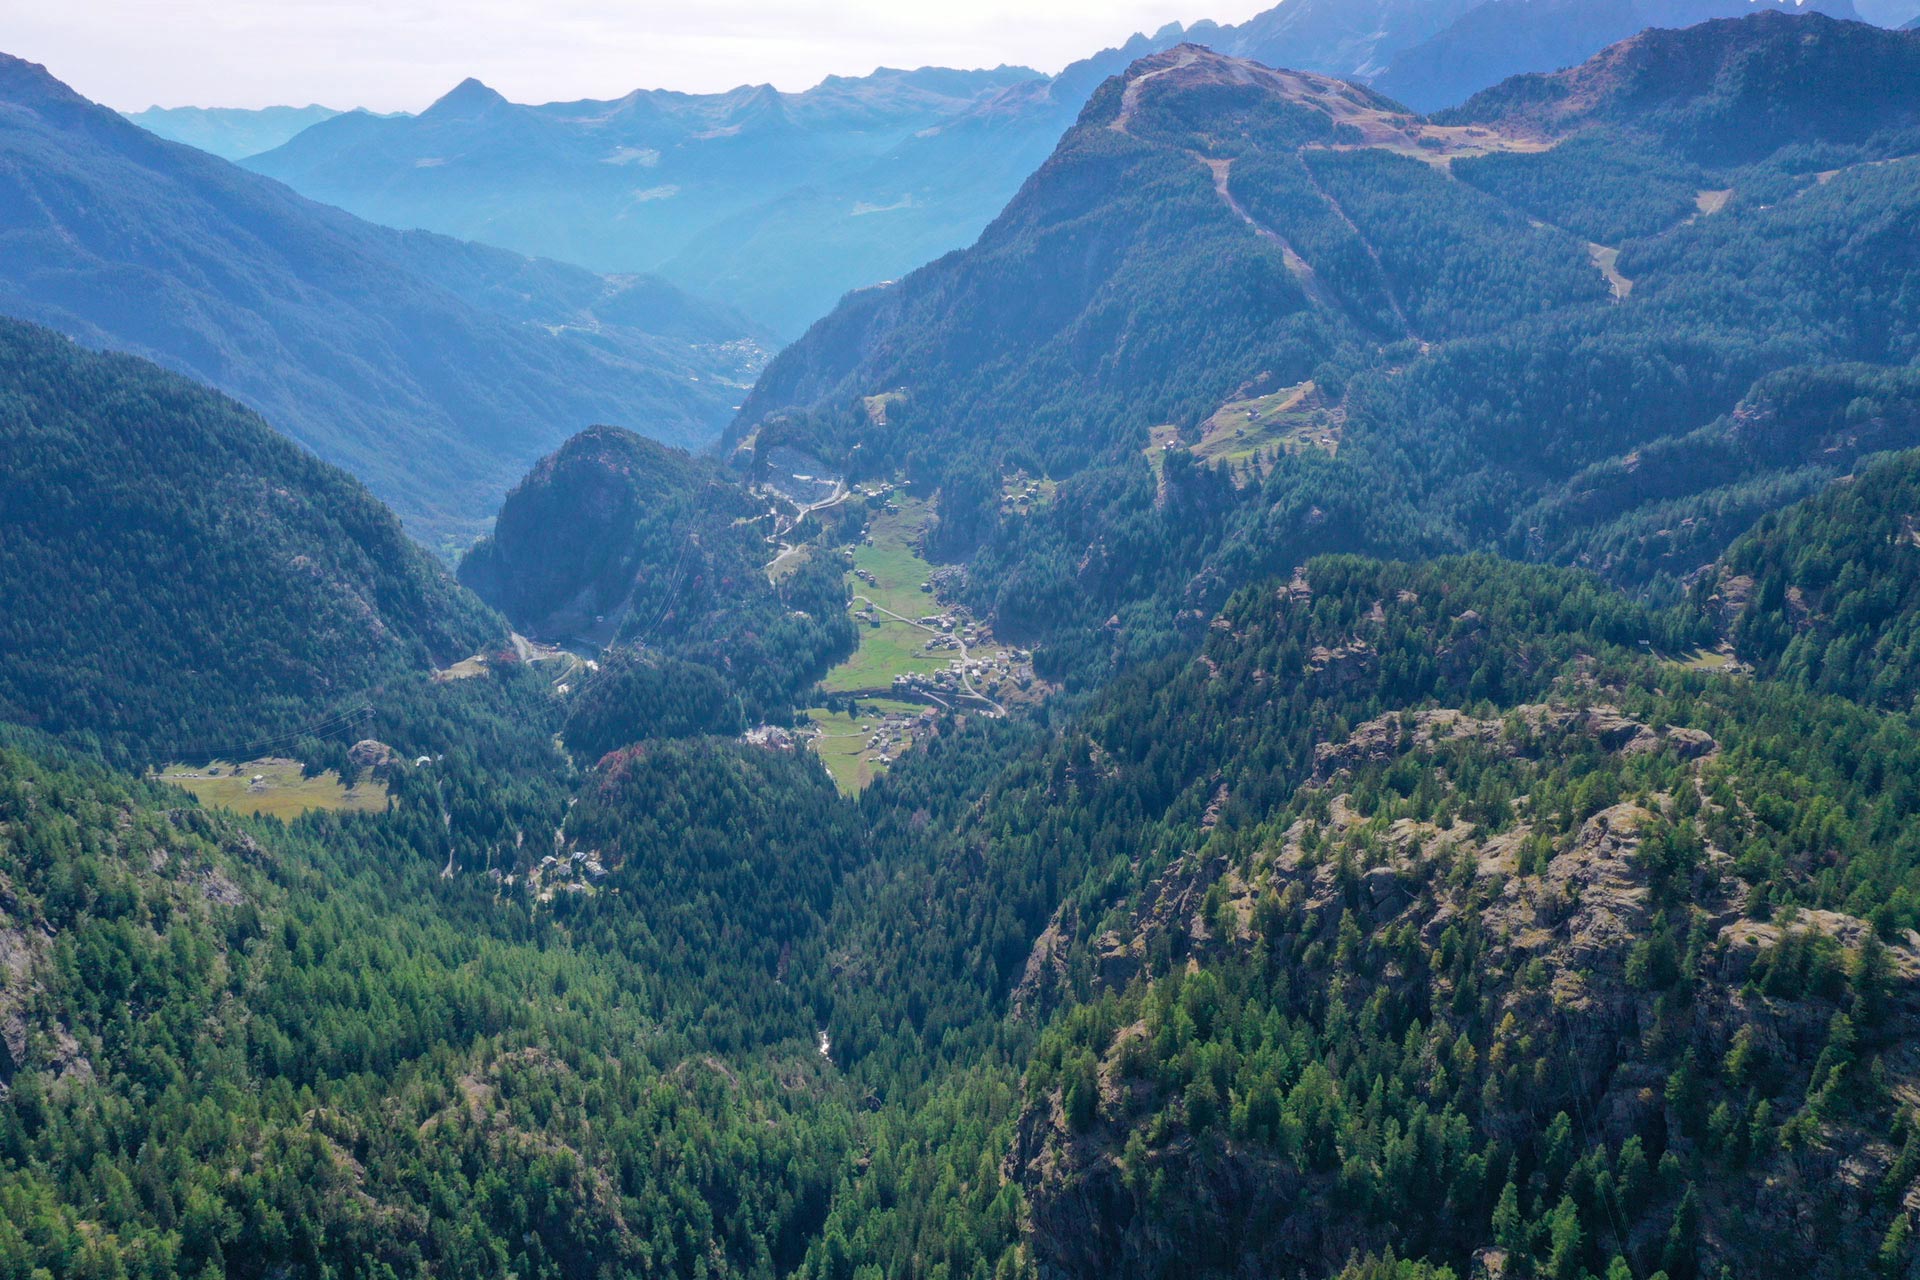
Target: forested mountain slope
[
  {"x": 178, "y": 578},
  {"x": 1422, "y": 902},
  {"x": 1543, "y": 964},
  {"x": 347, "y": 1061},
  {"x": 1502, "y": 38},
  {"x": 1728, "y": 92},
  {"x": 568, "y": 541},
  {"x": 1392, "y": 334},
  {"x": 616, "y": 539},
  {"x": 436, "y": 371},
  {"x": 1825, "y": 593},
  {"x": 1685, "y": 498},
  {"x": 1072, "y": 325}
]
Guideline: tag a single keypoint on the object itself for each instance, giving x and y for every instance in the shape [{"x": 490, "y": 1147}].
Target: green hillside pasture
[
  {"x": 892, "y": 648},
  {"x": 842, "y": 744},
  {"x": 1292, "y": 420},
  {"x": 281, "y": 791}
]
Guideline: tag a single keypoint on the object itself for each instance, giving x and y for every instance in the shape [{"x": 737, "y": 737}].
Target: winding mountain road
[{"x": 839, "y": 495}]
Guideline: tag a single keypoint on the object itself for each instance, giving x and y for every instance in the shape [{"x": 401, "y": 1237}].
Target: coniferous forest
[{"x": 1382, "y": 655}]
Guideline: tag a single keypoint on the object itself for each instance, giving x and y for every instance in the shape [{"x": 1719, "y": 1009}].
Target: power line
[{"x": 316, "y": 728}]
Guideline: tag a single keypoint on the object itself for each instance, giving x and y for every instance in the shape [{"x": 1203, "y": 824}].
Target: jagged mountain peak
[
  {"x": 467, "y": 99},
  {"x": 761, "y": 101}
]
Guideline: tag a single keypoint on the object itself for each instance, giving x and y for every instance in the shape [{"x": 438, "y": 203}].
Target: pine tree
[
  {"x": 1509, "y": 1229},
  {"x": 1678, "y": 1256},
  {"x": 1896, "y": 1247},
  {"x": 1567, "y": 1243}
]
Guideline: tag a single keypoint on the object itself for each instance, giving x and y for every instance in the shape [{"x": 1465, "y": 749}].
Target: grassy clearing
[
  {"x": 518, "y": 645},
  {"x": 281, "y": 792},
  {"x": 888, "y": 650},
  {"x": 1441, "y": 145},
  {"x": 842, "y": 747},
  {"x": 842, "y": 743},
  {"x": 887, "y": 571},
  {"x": 895, "y": 572},
  {"x": 1292, "y": 420},
  {"x": 1706, "y": 660},
  {"x": 897, "y": 568},
  {"x": 1022, "y": 495},
  {"x": 877, "y": 406}
]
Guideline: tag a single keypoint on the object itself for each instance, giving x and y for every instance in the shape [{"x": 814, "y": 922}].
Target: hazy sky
[{"x": 401, "y": 54}]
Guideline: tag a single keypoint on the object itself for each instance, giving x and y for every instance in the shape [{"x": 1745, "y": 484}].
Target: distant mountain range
[
  {"x": 853, "y": 174},
  {"x": 230, "y": 132},
  {"x": 436, "y": 371},
  {"x": 779, "y": 203}
]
